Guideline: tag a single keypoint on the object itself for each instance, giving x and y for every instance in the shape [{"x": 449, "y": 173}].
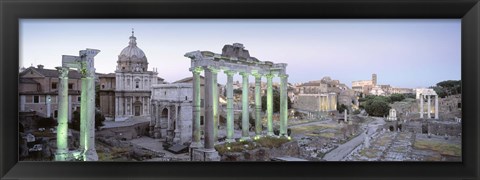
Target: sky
[{"x": 403, "y": 53}]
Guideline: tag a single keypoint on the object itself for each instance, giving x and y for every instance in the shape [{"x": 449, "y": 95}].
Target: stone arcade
[
  {"x": 85, "y": 65},
  {"x": 234, "y": 59}
]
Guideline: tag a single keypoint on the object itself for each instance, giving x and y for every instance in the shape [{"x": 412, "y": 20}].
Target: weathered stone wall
[
  {"x": 442, "y": 128},
  {"x": 308, "y": 102}
]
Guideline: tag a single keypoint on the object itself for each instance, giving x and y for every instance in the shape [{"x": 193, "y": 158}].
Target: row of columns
[
  {"x": 429, "y": 106},
  {"x": 211, "y": 105},
  {"x": 87, "y": 117}
]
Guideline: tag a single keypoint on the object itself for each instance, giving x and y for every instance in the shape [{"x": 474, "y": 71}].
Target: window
[
  {"x": 79, "y": 98},
  {"x": 36, "y": 99},
  {"x": 186, "y": 98},
  {"x": 103, "y": 86},
  {"x": 123, "y": 67},
  {"x": 70, "y": 86},
  {"x": 136, "y": 84},
  {"x": 55, "y": 114},
  {"x": 54, "y": 85},
  {"x": 201, "y": 120}
]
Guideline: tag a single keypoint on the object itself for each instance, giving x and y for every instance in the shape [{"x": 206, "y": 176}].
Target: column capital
[
  {"x": 269, "y": 76},
  {"x": 63, "y": 72},
  {"x": 230, "y": 72},
  {"x": 212, "y": 69},
  {"x": 283, "y": 75},
  {"x": 244, "y": 74},
  {"x": 196, "y": 70},
  {"x": 257, "y": 75}
]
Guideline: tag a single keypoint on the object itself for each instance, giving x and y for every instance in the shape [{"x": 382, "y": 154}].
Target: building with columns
[
  {"x": 234, "y": 60},
  {"x": 126, "y": 93},
  {"x": 427, "y": 109}
]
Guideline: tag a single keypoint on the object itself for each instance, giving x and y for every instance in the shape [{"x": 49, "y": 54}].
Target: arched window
[{"x": 136, "y": 84}]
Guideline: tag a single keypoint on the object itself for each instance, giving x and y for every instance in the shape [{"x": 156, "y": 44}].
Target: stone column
[
  {"x": 283, "y": 105},
  {"x": 62, "y": 118},
  {"x": 258, "y": 105},
  {"x": 215, "y": 102},
  {"x": 421, "y": 105},
  {"x": 269, "y": 105},
  {"x": 429, "y": 107},
  {"x": 209, "y": 118},
  {"x": 49, "y": 105},
  {"x": 245, "y": 114},
  {"x": 436, "y": 106},
  {"x": 328, "y": 102},
  {"x": 116, "y": 107},
  {"x": 90, "y": 152},
  {"x": 345, "y": 116},
  {"x": 196, "y": 136},
  {"x": 131, "y": 105},
  {"x": 230, "y": 130}
]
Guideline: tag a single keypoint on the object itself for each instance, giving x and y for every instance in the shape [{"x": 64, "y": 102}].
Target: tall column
[
  {"x": 131, "y": 105},
  {"x": 215, "y": 102},
  {"x": 245, "y": 114},
  {"x": 269, "y": 105},
  {"x": 62, "y": 127},
  {"x": 421, "y": 105},
  {"x": 230, "y": 130},
  {"x": 429, "y": 107},
  {"x": 283, "y": 105},
  {"x": 328, "y": 102},
  {"x": 88, "y": 100},
  {"x": 48, "y": 100},
  {"x": 258, "y": 104},
  {"x": 116, "y": 106},
  {"x": 436, "y": 106},
  {"x": 196, "y": 136},
  {"x": 209, "y": 118}
]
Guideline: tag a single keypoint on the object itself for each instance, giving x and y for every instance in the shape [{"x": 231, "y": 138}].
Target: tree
[
  {"x": 341, "y": 107},
  {"x": 377, "y": 107},
  {"x": 449, "y": 87},
  {"x": 75, "y": 124},
  {"x": 276, "y": 101},
  {"x": 396, "y": 97}
]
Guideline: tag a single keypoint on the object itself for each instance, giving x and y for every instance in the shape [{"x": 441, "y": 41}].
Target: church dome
[
  {"x": 132, "y": 58},
  {"x": 132, "y": 51}
]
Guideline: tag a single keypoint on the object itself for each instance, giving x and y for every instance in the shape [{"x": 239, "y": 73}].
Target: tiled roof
[{"x": 73, "y": 74}]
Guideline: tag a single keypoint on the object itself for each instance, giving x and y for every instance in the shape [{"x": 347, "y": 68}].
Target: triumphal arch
[
  {"x": 235, "y": 59},
  {"x": 84, "y": 63}
]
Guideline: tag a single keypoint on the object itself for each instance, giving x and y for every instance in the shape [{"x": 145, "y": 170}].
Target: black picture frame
[{"x": 466, "y": 10}]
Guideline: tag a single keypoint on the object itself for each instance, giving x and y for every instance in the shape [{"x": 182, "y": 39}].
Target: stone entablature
[
  {"x": 316, "y": 102},
  {"x": 423, "y": 94}
]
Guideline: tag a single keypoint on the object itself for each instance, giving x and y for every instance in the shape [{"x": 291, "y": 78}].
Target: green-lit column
[
  {"x": 269, "y": 105},
  {"x": 258, "y": 105},
  {"x": 230, "y": 130},
  {"x": 62, "y": 118},
  {"x": 245, "y": 114},
  {"x": 283, "y": 105},
  {"x": 90, "y": 151},
  {"x": 196, "y": 108},
  {"x": 215, "y": 102}
]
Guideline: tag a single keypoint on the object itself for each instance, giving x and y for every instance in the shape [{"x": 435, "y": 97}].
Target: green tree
[
  {"x": 449, "y": 87},
  {"x": 396, "y": 97},
  {"x": 377, "y": 107},
  {"x": 276, "y": 101},
  {"x": 341, "y": 107},
  {"x": 75, "y": 124}
]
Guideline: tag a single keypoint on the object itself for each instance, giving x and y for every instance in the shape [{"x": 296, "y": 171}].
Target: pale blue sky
[{"x": 403, "y": 53}]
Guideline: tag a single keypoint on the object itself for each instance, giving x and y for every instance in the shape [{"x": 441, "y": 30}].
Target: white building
[{"x": 133, "y": 82}]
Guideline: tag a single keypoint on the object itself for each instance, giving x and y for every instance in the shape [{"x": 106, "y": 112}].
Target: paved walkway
[
  {"x": 343, "y": 150},
  {"x": 129, "y": 122}
]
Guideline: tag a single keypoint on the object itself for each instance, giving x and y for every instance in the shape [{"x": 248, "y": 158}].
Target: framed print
[{"x": 239, "y": 90}]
